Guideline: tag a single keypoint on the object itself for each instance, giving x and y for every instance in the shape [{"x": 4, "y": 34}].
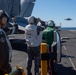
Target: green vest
[{"x": 48, "y": 35}]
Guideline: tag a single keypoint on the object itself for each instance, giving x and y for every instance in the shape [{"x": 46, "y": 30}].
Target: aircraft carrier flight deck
[{"x": 67, "y": 66}]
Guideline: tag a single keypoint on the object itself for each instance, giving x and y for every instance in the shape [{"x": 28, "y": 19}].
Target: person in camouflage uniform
[{"x": 5, "y": 46}]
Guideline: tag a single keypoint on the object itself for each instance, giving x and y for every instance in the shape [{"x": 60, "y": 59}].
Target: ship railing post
[{"x": 43, "y": 49}]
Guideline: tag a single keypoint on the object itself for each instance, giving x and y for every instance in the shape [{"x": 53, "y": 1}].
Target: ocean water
[{"x": 68, "y": 28}]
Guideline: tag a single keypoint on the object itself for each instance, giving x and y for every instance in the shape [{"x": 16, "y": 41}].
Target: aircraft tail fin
[{"x": 27, "y": 7}]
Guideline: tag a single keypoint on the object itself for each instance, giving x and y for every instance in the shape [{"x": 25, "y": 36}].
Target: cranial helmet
[
  {"x": 3, "y": 14},
  {"x": 31, "y": 19},
  {"x": 51, "y": 23}
]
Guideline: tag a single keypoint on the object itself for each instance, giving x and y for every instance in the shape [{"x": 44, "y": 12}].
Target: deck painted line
[{"x": 69, "y": 58}]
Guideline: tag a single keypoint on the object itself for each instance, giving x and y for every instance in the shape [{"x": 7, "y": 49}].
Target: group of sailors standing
[{"x": 34, "y": 35}]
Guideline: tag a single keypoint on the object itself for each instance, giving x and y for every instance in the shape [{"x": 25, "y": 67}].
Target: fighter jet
[
  {"x": 20, "y": 9},
  {"x": 68, "y": 19}
]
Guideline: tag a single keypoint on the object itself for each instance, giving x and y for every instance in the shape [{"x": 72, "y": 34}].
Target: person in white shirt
[{"x": 33, "y": 41}]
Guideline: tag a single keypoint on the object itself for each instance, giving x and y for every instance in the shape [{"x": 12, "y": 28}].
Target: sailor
[
  {"x": 33, "y": 41},
  {"x": 14, "y": 26},
  {"x": 5, "y": 46},
  {"x": 48, "y": 33},
  {"x": 48, "y": 37},
  {"x": 11, "y": 27}
]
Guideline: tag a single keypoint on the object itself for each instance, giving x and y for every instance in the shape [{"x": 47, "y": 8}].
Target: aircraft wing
[
  {"x": 21, "y": 21},
  {"x": 19, "y": 26}
]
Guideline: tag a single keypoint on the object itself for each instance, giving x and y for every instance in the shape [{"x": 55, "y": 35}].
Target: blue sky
[{"x": 56, "y": 10}]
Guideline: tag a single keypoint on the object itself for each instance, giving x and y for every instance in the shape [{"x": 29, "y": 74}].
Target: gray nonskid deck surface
[
  {"x": 68, "y": 63},
  {"x": 19, "y": 58}
]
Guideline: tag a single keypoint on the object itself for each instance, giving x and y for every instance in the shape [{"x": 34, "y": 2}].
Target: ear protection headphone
[
  {"x": 35, "y": 20},
  {"x": 3, "y": 16},
  {"x": 53, "y": 23}
]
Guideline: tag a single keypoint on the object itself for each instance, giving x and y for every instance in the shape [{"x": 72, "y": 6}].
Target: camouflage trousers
[{"x": 33, "y": 54}]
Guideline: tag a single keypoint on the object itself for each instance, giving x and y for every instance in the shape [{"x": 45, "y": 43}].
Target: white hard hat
[
  {"x": 50, "y": 23},
  {"x": 31, "y": 19}
]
